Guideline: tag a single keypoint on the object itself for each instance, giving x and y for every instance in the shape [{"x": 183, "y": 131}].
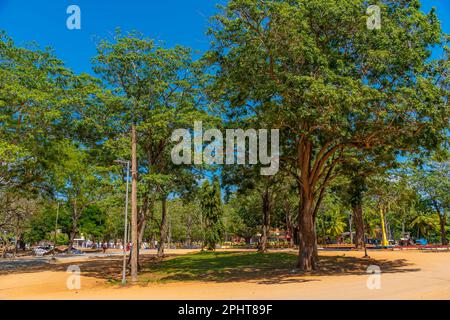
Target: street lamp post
[{"x": 125, "y": 235}]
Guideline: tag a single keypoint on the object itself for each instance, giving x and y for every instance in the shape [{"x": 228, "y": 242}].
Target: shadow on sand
[{"x": 270, "y": 268}]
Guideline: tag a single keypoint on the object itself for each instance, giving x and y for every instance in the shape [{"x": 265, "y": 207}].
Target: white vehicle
[{"x": 41, "y": 251}]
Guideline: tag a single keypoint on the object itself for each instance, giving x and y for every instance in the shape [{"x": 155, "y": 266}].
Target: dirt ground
[{"x": 404, "y": 275}]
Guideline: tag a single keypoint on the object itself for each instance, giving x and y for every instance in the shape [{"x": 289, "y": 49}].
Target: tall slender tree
[
  {"x": 212, "y": 210},
  {"x": 160, "y": 93}
]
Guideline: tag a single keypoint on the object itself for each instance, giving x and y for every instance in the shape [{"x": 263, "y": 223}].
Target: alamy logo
[
  {"x": 74, "y": 280},
  {"x": 374, "y": 19},
  {"x": 73, "y": 22},
  {"x": 374, "y": 280},
  {"x": 235, "y": 147}
]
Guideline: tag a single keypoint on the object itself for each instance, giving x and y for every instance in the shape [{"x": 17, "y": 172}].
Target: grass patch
[
  {"x": 219, "y": 266},
  {"x": 267, "y": 268}
]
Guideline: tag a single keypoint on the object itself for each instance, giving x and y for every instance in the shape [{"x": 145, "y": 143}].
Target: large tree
[
  {"x": 32, "y": 94},
  {"x": 159, "y": 93},
  {"x": 44, "y": 110},
  {"x": 76, "y": 181},
  {"x": 313, "y": 69}
]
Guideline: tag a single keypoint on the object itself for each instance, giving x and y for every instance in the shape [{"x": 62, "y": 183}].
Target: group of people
[{"x": 114, "y": 245}]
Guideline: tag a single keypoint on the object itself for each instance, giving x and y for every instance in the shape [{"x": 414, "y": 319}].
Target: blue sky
[
  {"x": 172, "y": 21},
  {"x": 44, "y": 21}
]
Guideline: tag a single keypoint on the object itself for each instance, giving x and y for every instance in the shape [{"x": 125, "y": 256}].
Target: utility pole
[{"x": 134, "y": 206}]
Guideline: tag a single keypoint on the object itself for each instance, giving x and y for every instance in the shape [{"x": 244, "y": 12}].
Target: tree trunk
[
  {"x": 311, "y": 194},
  {"x": 307, "y": 236},
  {"x": 296, "y": 235},
  {"x": 263, "y": 244},
  {"x": 292, "y": 240},
  {"x": 17, "y": 243},
  {"x": 359, "y": 226},
  {"x": 144, "y": 216},
  {"x": 71, "y": 240},
  {"x": 290, "y": 229},
  {"x": 74, "y": 231},
  {"x": 443, "y": 223},
  {"x": 134, "y": 205},
  {"x": 141, "y": 227},
  {"x": 266, "y": 222},
  {"x": 163, "y": 228},
  {"x": 316, "y": 250},
  {"x": 6, "y": 248},
  {"x": 189, "y": 232}
]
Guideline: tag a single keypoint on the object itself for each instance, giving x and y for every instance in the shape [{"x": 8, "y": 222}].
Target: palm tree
[
  {"x": 335, "y": 226},
  {"x": 423, "y": 223}
]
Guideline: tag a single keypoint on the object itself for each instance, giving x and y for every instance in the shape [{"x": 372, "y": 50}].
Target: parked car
[
  {"x": 42, "y": 250},
  {"x": 76, "y": 251}
]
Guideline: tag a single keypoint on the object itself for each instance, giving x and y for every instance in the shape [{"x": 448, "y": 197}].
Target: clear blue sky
[{"x": 173, "y": 21}]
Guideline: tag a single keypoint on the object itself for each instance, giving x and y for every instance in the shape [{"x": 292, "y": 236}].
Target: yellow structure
[{"x": 384, "y": 241}]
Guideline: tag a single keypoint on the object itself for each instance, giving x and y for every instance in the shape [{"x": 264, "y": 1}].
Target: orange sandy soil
[{"x": 405, "y": 275}]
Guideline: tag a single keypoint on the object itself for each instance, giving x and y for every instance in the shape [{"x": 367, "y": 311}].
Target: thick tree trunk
[
  {"x": 313, "y": 180},
  {"x": 306, "y": 224},
  {"x": 71, "y": 240},
  {"x": 163, "y": 228},
  {"x": 266, "y": 222},
  {"x": 307, "y": 236},
  {"x": 359, "y": 226},
  {"x": 134, "y": 206},
  {"x": 264, "y": 236}
]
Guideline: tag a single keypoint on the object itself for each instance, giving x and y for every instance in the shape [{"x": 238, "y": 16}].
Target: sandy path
[{"x": 423, "y": 275}]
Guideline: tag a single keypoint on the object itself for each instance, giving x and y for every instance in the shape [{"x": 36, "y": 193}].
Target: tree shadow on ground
[
  {"x": 269, "y": 268},
  {"x": 103, "y": 268}
]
